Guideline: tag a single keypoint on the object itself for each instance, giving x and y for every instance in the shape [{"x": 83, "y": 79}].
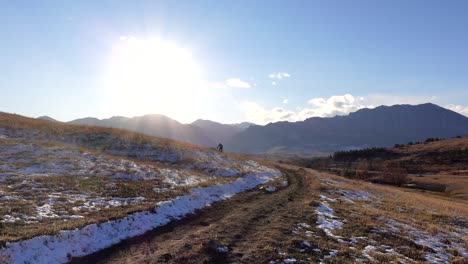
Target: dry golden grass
[
  {"x": 424, "y": 212},
  {"x": 408, "y": 197},
  {"x": 100, "y": 186},
  {"x": 58, "y": 129},
  {"x": 435, "y": 146}
]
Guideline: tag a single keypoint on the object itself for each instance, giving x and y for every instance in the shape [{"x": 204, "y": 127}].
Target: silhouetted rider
[{"x": 220, "y": 147}]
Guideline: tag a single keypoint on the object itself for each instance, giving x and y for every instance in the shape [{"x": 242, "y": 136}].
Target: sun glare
[{"x": 151, "y": 76}]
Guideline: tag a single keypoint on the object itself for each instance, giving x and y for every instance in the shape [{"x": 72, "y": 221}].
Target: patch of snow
[
  {"x": 95, "y": 204},
  {"x": 326, "y": 219},
  {"x": 352, "y": 195},
  {"x": 367, "y": 250},
  {"x": 45, "y": 211},
  {"x": 440, "y": 252},
  {"x": 222, "y": 249},
  {"x": 305, "y": 244},
  {"x": 384, "y": 250},
  {"x": 270, "y": 189},
  {"x": 161, "y": 190},
  {"x": 331, "y": 254},
  {"x": 303, "y": 225},
  {"x": 9, "y": 198},
  {"x": 10, "y": 219},
  {"x": 326, "y": 198}
]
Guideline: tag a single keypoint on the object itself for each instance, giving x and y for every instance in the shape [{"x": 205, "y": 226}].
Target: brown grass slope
[
  {"x": 69, "y": 131},
  {"x": 114, "y": 146},
  {"x": 439, "y": 167}
]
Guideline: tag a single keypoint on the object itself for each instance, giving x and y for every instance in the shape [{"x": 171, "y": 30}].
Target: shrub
[
  {"x": 394, "y": 173},
  {"x": 362, "y": 169}
]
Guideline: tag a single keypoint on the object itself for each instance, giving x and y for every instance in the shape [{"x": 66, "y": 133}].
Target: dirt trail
[{"x": 252, "y": 226}]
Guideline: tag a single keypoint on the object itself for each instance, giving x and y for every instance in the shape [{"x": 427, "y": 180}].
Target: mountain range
[
  {"x": 381, "y": 126},
  {"x": 201, "y": 132}
]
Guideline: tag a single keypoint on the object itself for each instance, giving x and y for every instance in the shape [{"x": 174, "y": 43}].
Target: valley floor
[{"x": 316, "y": 218}]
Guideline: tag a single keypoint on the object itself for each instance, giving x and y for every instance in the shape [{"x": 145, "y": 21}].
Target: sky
[{"x": 230, "y": 61}]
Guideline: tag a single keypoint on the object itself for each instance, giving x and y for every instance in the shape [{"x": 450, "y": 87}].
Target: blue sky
[{"x": 70, "y": 59}]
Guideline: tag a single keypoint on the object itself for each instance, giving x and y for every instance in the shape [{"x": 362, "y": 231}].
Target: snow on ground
[
  {"x": 350, "y": 196},
  {"x": 22, "y": 151},
  {"x": 79, "y": 242},
  {"x": 27, "y": 155},
  {"x": 330, "y": 255},
  {"x": 23, "y": 158},
  {"x": 88, "y": 203},
  {"x": 95, "y": 204},
  {"x": 36, "y": 160},
  {"x": 379, "y": 239},
  {"x": 222, "y": 249},
  {"x": 442, "y": 244},
  {"x": 383, "y": 250},
  {"x": 326, "y": 219}
]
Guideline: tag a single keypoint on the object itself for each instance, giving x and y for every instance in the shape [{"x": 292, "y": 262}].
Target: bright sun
[{"x": 152, "y": 76}]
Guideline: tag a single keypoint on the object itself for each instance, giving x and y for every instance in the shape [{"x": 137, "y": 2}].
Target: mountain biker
[{"x": 220, "y": 147}]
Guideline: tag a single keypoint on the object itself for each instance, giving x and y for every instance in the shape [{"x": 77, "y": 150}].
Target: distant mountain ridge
[
  {"x": 153, "y": 125},
  {"x": 381, "y": 126},
  {"x": 222, "y": 132},
  {"x": 48, "y": 118},
  {"x": 201, "y": 132}
]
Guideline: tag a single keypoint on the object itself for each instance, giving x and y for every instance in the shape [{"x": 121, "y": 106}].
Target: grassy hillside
[
  {"x": 436, "y": 166},
  {"x": 56, "y": 176},
  {"x": 317, "y": 218}
]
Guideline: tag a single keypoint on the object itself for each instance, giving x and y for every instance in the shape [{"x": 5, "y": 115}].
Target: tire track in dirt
[{"x": 253, "y": 226}]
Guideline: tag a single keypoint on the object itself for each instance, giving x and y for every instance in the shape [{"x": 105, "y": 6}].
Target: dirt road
[
  {"x": 252, "y": 227},
  {"x": 316, "y": 218}
]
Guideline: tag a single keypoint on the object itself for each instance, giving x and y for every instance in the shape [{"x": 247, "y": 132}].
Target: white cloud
[
  {"x": 334, "y": 105},
  {"x": 237, "y": 83},
  {"x": 257, "y": 114},
  {"x": 279, "y": 75},
  {"x": 273, "y": 83},
  {"x": 285, "y": 101},
  {"x": 459, "y": 109}
]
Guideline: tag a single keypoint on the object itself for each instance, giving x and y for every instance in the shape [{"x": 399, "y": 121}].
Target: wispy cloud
[
  {"x": 237, "y": 83},
  {"x": 317, "y": 107},
  {"x": 459, "y": 109},
  {"x": 279, "y": 75},
  {"x": 259, "y": 115},
  {"x": 334, "y": 105}
]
